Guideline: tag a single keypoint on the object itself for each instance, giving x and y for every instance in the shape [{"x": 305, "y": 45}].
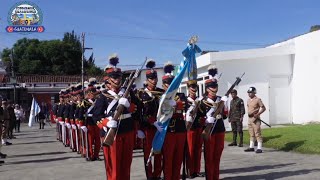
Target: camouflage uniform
[{"x": 235, "y": 117}]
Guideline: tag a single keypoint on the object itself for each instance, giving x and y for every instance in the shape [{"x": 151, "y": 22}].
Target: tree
[
  {"x": 314, "y": 28},
  {"x": 52, "y": 57}
]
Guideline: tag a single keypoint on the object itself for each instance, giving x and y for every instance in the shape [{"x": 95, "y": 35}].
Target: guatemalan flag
[
  {"x": 165, "y": 110},
  {"x": 35, "y": 110}
]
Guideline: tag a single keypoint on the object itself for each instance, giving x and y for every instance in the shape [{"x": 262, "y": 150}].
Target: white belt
[
  {"x": 89, "y": 115},
  {"x": 179, "y": 111},
  {"x": 124, "y": 116}
]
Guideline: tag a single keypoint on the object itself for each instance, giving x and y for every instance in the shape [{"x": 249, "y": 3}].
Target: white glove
[
  {"x": 56, "y": 120},
  {"x": 172, "y": 102},
  {"x": 224, "y": 98},
  {"x": 84, "y": 128},
  {"x": 105, "y": 129},
  {"x": 74, "y": 126},
  {"x": 159, "y": 128},
  {"x": 112, "y": 123},
  {"x": 68, "y": 125},
  {"x": 141, "y": 134},
  {"x": 125, "y": 102},
  {"x": 189, "y": 118},
  {"x": 210, "y": 119}
]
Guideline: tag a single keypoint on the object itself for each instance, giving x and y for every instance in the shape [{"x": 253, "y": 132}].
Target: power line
[{"x": 225, "y": 43}]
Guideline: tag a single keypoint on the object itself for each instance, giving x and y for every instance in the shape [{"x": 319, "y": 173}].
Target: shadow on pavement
[
  {"x": 37, "y": 154},
  {"x": 253, "y": 168},
  {"x": 274, "y": 175},
  {"x": 41, "y": 160},
  {"x": 31, "y": 137},
  {"x": 42, "y": 142}
]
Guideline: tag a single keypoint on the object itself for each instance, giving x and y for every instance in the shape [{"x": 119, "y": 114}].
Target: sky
[{"x": 160, "y": 29}]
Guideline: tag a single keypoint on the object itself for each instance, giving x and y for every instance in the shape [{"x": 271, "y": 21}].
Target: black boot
[
  {"x": 241, "y": 139},
  {"x": 234, "y": 143}
]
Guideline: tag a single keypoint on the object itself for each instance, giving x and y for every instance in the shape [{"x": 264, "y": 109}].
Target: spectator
[
  {"x": 1, "y": 127},
  {"x": 12, "y": 119},
  {"x": 19, "y": 116},
  {"x": 5, "y": 124}
]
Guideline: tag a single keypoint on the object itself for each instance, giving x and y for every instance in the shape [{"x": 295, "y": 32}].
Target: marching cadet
[
  {"x": 236, "y": 114},
  {"x": 213, "y": 146},
  {"x": 93, "y": 129},
  {"x": 73, "y": 105},
  {"x": 66, "y": 118},
  {"x": 60, "y": 113},
  {"x": 79, "y": 98},
  {"x": 195, "y": 124},
  {"x": 118, "y": 156},
  {"x": 255, "y": 109},
  {"x": 83, "y": 106},
  {"x": 175, "y": 139},
  {"x": 55, "y": 115},
  {"x": 149, "y": 98}
]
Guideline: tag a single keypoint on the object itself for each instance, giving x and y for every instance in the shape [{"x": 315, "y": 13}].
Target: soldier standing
[
  {"x": 1, "y": 127},
  {"x": 214, "y": 145},
  {"x": 149, "y": 98},
  {"x": 6, "y": 122},
  {"x": 118, "y": 156},
  {"x": 174, "y": 143},
  {"x": 93, "y": 129},
  {"x": 236, "y": 114},
  {"x": 255, "y": 109},
  {"x": 194, "y": 139}
]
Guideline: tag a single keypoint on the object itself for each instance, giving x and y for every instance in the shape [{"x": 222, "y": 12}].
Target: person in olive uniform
[{"x": 236, "y": 114}]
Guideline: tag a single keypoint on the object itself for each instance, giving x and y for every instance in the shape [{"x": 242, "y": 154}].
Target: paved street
[{"x": 36, "y": 154}]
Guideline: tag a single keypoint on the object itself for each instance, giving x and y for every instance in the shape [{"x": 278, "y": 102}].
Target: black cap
[{"x": 252, "y": 90}]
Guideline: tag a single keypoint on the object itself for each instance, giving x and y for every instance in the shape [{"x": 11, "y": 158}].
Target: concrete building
[{"x": 285, "y": 75}]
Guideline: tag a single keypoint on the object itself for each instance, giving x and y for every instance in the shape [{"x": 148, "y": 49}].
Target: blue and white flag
[
  {"x": 165, "y": 110},
  {"x": 190, "y": 55},
  {"x": 35, "y": 110}
]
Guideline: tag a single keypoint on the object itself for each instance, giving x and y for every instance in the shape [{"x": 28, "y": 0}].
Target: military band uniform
[
  {"x": 194, "y": 141},
  {"x": 149, "y": 103}
]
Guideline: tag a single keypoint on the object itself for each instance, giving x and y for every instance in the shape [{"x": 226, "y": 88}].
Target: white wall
[
  {"x": 305, "y": 82},
  {"x": 139, "y": 82},
  {"x": 257, "y": 73}
]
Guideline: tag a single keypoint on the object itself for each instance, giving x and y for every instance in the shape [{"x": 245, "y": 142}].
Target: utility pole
[
  {"x": 13, "y": 79},
  {"x": 83, "y": 36}
]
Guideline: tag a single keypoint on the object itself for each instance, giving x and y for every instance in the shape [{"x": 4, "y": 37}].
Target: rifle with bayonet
[
  {"x": 109, "y": 138},
  {"x": 193, "y": 112},
  {"x": 208, "y": 130}
]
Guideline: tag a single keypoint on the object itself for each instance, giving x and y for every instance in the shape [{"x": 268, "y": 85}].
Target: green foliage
[
  {"x": 314, "y": 28},
  {"x": 52, "y": 57},
  {"x": 297, "y": 138}
]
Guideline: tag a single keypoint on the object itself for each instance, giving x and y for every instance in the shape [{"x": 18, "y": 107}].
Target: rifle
[
  {"x": 208, "y": 130},
  {"x": 125, "y": 83},
  {"x": 259, "y": 119},
  {"x": 109, "y": 138},
  {"x": 193, "y": 114}
]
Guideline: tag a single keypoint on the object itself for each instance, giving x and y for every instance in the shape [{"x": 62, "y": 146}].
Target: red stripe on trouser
[
  {"x": 213, "y": 148},
  {"x": 94, "y": 139},
  {"x": 195, "y": 147},
  {"x": 118, "y": 157},
  {"x": 173, "y": 148},
  {"x": 147, "y": 145}
]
